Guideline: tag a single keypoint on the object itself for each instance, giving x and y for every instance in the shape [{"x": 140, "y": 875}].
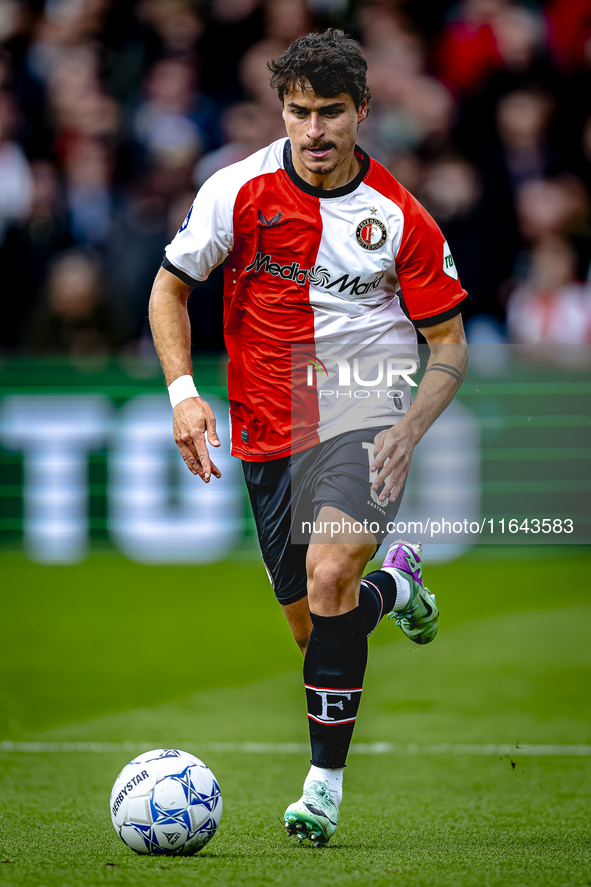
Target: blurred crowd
[{"x": 112, "y": 115}]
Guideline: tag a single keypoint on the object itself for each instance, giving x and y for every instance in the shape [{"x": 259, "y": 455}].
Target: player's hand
[
  {"x": 391, "y": 459},
  {"x": 193, "y": 418}
]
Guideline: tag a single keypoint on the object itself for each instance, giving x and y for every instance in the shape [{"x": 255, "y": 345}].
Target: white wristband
[{"x": 181, "y": 389}]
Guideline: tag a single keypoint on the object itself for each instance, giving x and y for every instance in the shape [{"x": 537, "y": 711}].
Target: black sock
[
  {"x": 333, "y": 675},
  {"x": 377, "y": 597}
]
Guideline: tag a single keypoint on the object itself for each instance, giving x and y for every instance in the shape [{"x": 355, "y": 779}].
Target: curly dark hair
[{"x": 331, "y": 63}]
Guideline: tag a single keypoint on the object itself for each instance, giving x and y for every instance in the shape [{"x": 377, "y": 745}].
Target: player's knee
[{"x": 330, "y": 581}]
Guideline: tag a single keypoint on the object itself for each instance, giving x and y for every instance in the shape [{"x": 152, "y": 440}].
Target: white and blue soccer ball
[{"x": 166, "y": 801}]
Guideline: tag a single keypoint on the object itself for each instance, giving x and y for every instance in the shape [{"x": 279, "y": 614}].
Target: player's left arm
[{"x": 445, "y": 372}]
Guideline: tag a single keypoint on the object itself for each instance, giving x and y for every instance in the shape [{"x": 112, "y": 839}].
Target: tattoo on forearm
[{"x": 448, "y": 370}]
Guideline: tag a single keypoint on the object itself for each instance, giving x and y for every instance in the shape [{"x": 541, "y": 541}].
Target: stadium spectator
[
  {"x": 543, "y": 208},
  {"x": 177, "y": 24},
  {"x": 522, "y": 121},
  {"x": 286, "y": 19},
  {"x": 558, "y": 207},
  {"x": 175, "y": 123},
  {"x": 452, "y": 193},
  {"x": 134, "y": 249},
  {"x": 75, "y": 318},
  {"x": 254, "y": 75},
  {"x": 88, "y": 172},
  {"x": 29, "y": 246},
  {"x": 233, "y": 27},
  {"x": 570, "y": 31},
  {"x": 16, "y": 181},
  {"x": 127, "y": 106},
  {"x": 467, "y": 53},
  {"x": 245, "y": 127},
  {"x": 551, "y": 307},
  {"x": 518, "y": 33}
]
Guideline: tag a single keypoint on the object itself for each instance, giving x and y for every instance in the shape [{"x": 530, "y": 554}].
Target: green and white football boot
[
  {"x": 419, "y": 620},
  {"x": 314, "y": 816}
]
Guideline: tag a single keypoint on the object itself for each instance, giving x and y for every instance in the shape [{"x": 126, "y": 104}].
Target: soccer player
[{"x": 318, "y": 241}]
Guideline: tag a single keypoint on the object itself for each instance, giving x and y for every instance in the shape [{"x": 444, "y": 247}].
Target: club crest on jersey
[{"x": 371, "y": 234}]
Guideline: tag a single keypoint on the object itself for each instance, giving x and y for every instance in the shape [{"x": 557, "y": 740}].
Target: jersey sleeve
[
  {"x": 206, "y": 236},
  {"x": 426, "y": 270}
]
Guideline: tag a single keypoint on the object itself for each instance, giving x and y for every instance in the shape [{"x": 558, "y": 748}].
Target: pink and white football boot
[{"x": 415, "y": 610}]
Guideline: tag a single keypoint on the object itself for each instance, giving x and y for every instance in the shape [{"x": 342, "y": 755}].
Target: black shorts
[{"x": 287, "y": 494}]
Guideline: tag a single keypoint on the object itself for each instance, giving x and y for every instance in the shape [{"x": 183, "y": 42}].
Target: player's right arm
[{"x": 193, "y": 418}]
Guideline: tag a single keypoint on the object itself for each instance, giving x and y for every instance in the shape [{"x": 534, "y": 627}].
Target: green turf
[
  {"x": 208, "y": 659},
  {"x": 454, "y": 821}
]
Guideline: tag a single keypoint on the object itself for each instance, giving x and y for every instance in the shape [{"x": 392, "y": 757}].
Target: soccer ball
[{"x": 166, "y": 801}]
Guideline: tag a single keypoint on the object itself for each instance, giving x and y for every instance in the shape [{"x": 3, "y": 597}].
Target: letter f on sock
[{"x": 327, "y": 697}]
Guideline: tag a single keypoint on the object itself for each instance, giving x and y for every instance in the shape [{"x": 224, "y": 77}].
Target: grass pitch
[{"x": 112, "y": 652}]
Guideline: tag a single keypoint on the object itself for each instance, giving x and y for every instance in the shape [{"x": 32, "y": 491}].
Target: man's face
[{"x": 322, "y": 131}]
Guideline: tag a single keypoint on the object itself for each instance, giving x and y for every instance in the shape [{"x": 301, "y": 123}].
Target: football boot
[
  {"x": 419, "y": 620},
  {"x": 314, "y": 816}
]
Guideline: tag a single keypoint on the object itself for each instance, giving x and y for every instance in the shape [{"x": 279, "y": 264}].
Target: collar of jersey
[{"x": 321, "y": 192}]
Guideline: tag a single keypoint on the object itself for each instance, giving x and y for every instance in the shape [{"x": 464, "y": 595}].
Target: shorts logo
[
  {"x": 371, "y": 234},
  {"x": 370, "y": 448}
]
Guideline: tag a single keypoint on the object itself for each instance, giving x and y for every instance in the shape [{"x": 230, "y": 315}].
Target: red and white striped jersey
[{"x": 312, "y": 273}]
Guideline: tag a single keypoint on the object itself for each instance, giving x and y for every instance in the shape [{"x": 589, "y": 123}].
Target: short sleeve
[
  {"x": 426, "y": 270},
  {"x": 206, "y": 236}
]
